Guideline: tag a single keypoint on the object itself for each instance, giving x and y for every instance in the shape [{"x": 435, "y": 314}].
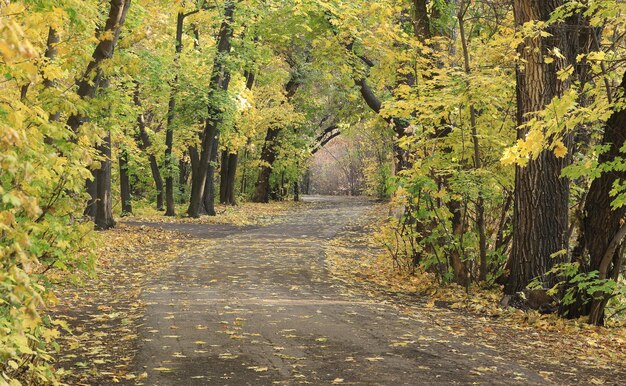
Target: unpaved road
[{"x": 258, "y": 307}]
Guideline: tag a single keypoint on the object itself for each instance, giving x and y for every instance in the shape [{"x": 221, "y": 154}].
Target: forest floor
[{"x": 282, "y": 299}]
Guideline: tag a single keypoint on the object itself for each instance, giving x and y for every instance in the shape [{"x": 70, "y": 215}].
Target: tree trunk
[
  {"x": 87, "y": 86},
  {"x": 540, "y": 214},
  {"x": 480, "y": 202},
  {"x": 104, "y": 209},
  {"x": 183, "y": 177},
  {"x": 600, "y": 239},
  {"x": 268, "y": 153},
  {"x": 127, "y": 207},
  {"x": 230, "y": 178},
  {"x": 220, "y": 79},
  {"x": 50, "y": 55},
  {"x": 268, "y": 156},
  {"x": 91, "y": 186},
  {"x": 459, "y": 269},
  {"x": 223, "y": 177},
  {"x": 169, "y": 133},
  {"x": 90, "y": 81},
  {"x": 209, "y": 186}
]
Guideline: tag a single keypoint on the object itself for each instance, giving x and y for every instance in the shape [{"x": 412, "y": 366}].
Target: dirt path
[{"x": 259, "y": 308}]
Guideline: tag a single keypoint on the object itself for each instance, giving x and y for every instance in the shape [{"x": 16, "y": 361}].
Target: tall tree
[
  {"x": 230, "y": 159},
  {"x": 540, "y": 213},
  {"x": 99, "y": 206},
  {"x": 270, "y": 148},
  {"x": 220, "y": 80},
  {"x": 171, "y": 112},
  {"x": 600, "y": 243}
]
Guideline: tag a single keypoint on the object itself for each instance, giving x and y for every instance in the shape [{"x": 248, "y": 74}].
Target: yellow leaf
[{"x": 560, "y": 150}]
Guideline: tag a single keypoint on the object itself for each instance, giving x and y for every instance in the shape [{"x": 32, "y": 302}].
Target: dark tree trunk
[
  {"x": 268, "y": 156},
  {"x": 220, "y": 79},
  {"x": 209, "y": 187},
  {"x": 540, "y": 214},
  {"x": 183, "y": 177},
  {"x": 296, "y": 191},
  {"x": 50, "y": 54},
  {"x": 90, "y": 81},
  {"x": 104, "y": 209},
  {"x": 228, "y": 172},
  {"x": 91, "y": 186},
  {"x": 600, "y": 239},
  {"x": 170, "y": 208},
  {"x": 230, "y": 159},
  {"x": 223, "y": 177},
  {"x": 459, "y": 269},
  {"x": 127, "y": 207},
  {"x": 244, "y": 174},
  {"x": 268, "y": 153},
  {"x": 230, "y": 178}
]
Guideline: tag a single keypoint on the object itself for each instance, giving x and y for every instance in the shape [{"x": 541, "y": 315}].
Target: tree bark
[
  {"x": 209, "y": 187},
  {"x": 223, "y": 176},
  {"x": 104, "y": 208},
  {"x": 220, "y": 80},
  {"x": 50, "y": 55},
  {"x": 540, "y": 213},
  {"x": 233, "y": 160},
  {"x": 90, "y": 81},
  {"x": 480, "y": 202},
  {"x": 127, "y": 207},
  {"x": 183, "y": 177},
  {"x": 99, "y": 204},
  {"x": 269, "y": 151},
  {"x": 228, "y": 173},
  {"x": 598, "y": 247},
  {"x": 268, "y": 156},
  {"x": 169, "y": 133}
]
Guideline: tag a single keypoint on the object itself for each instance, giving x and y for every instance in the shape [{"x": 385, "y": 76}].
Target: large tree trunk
[
  {"x": 220, "y": 79},
  {"x": 599, "y": 243},
  {"x": 87, "y": 86},
  {"x": 540, "y": 214}
]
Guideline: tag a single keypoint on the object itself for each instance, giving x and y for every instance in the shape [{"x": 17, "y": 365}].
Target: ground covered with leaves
[
  {"x": 108, "y": 321},
  {"x": 562, "y": 351},
  {"x": 103, "y": 312}
]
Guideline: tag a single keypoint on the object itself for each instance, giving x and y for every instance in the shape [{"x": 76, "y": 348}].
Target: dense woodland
[{"x": 495, "y": 128}]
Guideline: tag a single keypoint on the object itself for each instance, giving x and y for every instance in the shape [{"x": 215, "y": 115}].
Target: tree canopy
[{"x": 495, "y": 128}]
